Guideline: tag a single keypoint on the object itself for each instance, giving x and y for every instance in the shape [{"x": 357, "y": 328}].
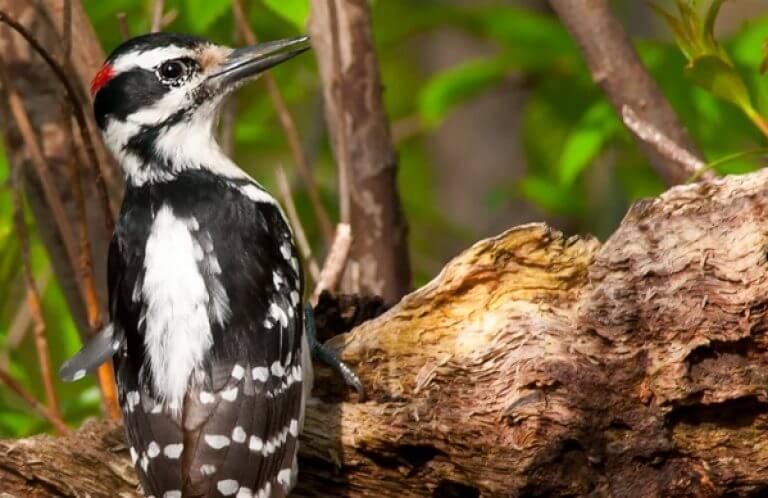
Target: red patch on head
[{"x": 105, "y": 74}]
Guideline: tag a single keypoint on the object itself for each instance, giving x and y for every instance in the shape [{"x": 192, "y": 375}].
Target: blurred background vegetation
[{"x": 496, "y": 119}]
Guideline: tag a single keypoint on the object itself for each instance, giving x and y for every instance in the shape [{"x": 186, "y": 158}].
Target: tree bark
[
  {"x": 616, "y": 67},
  {"x": 366, "y": 158},
  {"x": 535, "y": 365},
  {"x": 45, "y": 101}
]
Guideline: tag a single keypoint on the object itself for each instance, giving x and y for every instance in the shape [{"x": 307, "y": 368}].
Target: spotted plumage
[{"x": 204, "y": 282}]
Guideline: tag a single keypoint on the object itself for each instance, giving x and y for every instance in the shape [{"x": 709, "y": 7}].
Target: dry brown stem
[{"x": 34, "y": 303}]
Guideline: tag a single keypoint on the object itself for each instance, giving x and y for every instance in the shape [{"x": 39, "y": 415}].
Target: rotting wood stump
[{"x": 534, "y": 365}]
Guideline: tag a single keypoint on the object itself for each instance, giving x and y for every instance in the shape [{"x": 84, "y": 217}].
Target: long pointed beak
[{"x": 247, "y": 62}]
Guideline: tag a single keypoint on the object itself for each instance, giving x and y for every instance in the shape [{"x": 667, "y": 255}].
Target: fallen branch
[{"x": 535, "y": 365}]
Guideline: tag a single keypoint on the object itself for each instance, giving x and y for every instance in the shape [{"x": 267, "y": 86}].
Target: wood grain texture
[{"x": 537, "y": 364}]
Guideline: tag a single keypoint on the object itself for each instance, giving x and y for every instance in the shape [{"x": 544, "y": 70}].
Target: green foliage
[
  {"x": 294, "y": 11},
  {"x": 206, "y": 12},
  {"x": 710, "y": 66},
  {"x": 593, "y": 131},
  {"x": 454, "y": 86}
]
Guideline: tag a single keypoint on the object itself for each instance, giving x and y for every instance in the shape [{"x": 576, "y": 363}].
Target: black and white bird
[{"x": 205, "y": 285}]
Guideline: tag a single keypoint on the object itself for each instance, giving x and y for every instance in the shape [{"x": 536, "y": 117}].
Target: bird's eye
[{"x": 172, "y": 71}]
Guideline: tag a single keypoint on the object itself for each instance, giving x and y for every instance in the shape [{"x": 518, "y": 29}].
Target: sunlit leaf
[
  {"x": 586, "y": 141},
  {"x": 294, "y": 11},
  {"x": 457, "y": 84},
  {"x": 745, "y": 45},
  {"x": 551, "y": 196},
  {"x": 717, "y": 76},
  {"x": 203, "y": 13}
]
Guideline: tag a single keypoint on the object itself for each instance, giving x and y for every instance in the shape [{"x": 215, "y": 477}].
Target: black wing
[{"x": 241, "y": 429}]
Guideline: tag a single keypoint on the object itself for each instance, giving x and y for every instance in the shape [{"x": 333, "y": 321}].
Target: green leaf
[
  {"x": 457, "y": 84},
  {"x": 203, "y": 13},
  {"x": 294, "y": 11},
  {"x": 684, "y": 39},
  {"x": 551, "y": 196},
  {"x": 720, "y": 78},
  {"x": 745, "y": 43},
  {"x": 530, "y": 40},
  {"x": 585, "y": 142}
]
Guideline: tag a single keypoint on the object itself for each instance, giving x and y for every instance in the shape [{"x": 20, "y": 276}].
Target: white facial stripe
[
  {"x": 150, "y": 59},
  {"x": 173, "y": 101}
]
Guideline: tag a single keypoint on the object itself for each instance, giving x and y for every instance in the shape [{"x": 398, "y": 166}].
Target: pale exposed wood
[{"x": 540, "y": 365}]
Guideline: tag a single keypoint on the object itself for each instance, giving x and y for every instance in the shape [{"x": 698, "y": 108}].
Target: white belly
[{"x": 175, "y": 305}]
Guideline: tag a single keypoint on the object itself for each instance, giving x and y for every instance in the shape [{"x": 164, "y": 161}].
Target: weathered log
[{"x": 535, "y": 365}]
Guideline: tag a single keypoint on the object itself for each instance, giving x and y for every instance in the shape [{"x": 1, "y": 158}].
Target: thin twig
[
  {"x": 122, "y": 23},
  {"x": 88, "y": 282},
  {"x": 169, "y": 17},
  {"x": 22, "y": 319},
  {"x": 665, "y": 146},
  {"x": 67, "y": 28},
  {"x": 293, "y": 215},
  {"x": 157, "y": 16},
  {"x": 22, "y": 393},
  {"x": 336, "y": 262},
  {"x": 34, "y": 302},
  {"x": 345, "y": 199},
  {"x": 289, "y": 128},
  {"x": 77, "y": 110}
]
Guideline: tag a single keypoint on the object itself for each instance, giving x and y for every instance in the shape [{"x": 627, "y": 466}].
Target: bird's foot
[{"x": 325, "y": 355}]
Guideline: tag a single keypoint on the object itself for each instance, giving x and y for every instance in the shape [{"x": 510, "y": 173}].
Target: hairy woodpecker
[{"x": 205, "y": 285}]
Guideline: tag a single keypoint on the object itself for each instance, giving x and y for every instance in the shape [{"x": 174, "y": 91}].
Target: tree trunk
[
  {"x": 535, "y": 365},
  {"x": 365, "y": 156}
]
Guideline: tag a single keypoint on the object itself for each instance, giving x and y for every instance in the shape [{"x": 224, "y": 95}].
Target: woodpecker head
[{"x": 156, "y": 100}]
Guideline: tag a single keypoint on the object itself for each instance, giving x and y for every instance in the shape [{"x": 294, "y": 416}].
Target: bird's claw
[{"x": 322, "y": 353}]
